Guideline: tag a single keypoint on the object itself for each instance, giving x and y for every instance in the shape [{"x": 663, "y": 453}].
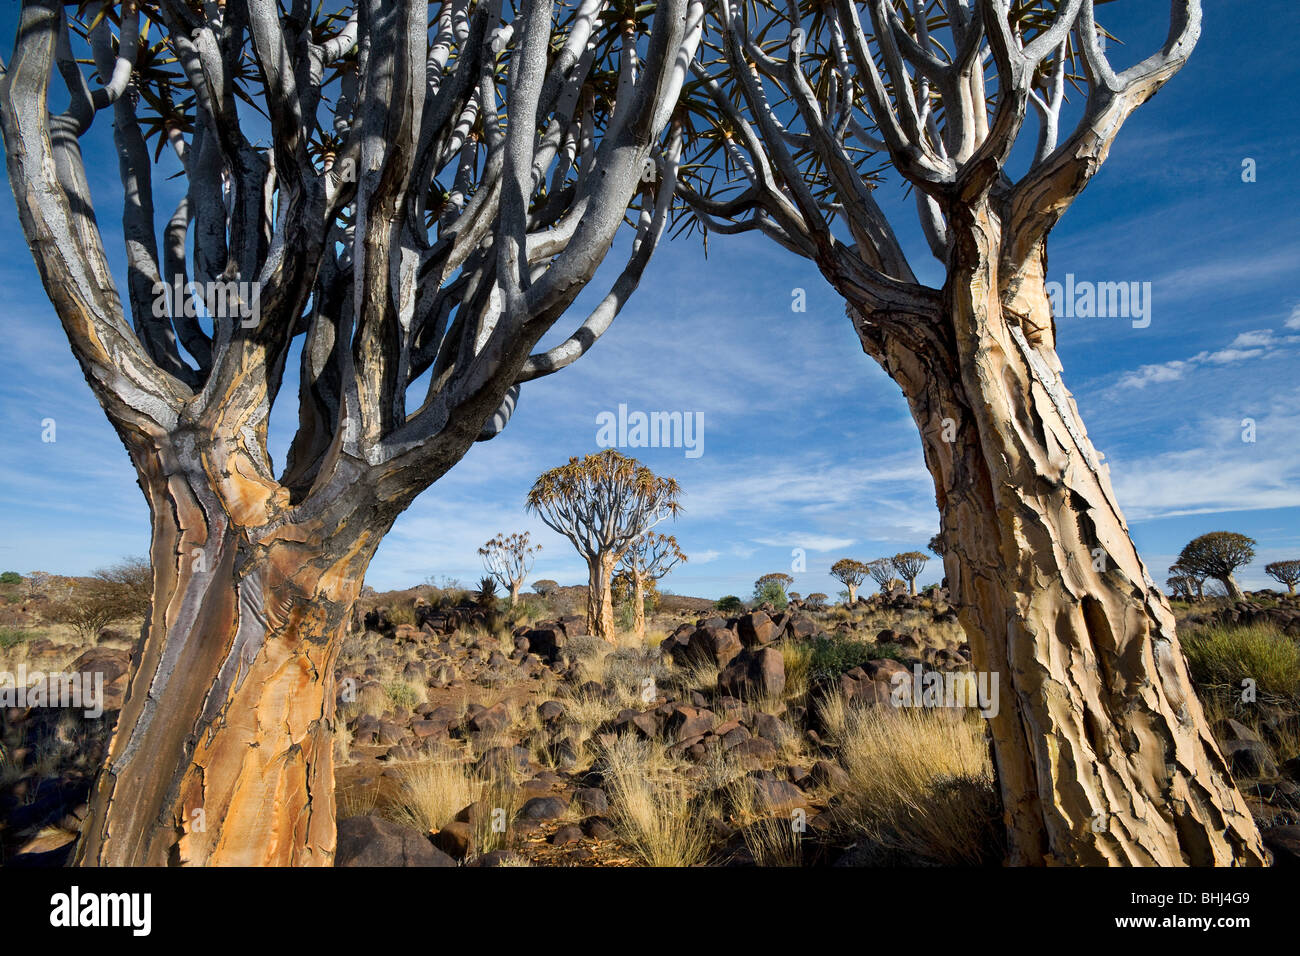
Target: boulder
[
  {"x": 1249, "y": 759},
  {"x": 685, "y": 722},
  {"x": 777, "y": 796},
  {"x": 756, "y": 629},
  {"x": 374, "y": 841},
  {"x": 546, "y": 642},
  {"x": 565, "y": 836},
  {"x": 591, "y": 801},
  {"x": 753, "y": 673},
  {"x": 708, "y": 645},
  {"x": 1285, "y": 844},
  {"x": 111, "y": 664},
  {"x": 490, "y": 720},
  {"x": 454, "y": 839},
  {"x": 544, "y": 808}
]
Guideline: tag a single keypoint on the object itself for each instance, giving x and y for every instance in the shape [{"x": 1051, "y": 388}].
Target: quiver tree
[
  {"x": 881, "y": 571},
  {"x": 909, "y": 564},
  {"x": 1284, "y": 572},
  {"x": 1192, "y": 582},
  {"x": 441, "y": 182},
  {"x": 648, "y": 559},
  {"x": 1102, "y": 750},
  {"x": 1217, "y": 555},
  {"x": 38, "y": 582},
  {"x": 508, "y": 560},
  {"x": 773, "y": 587},
  {"x": 603, "y": 503},
  {"x": 1180, "y": 586},
  {"x": 851, "y": 574}
]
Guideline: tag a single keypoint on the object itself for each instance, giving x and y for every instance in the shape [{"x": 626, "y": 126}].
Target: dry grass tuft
[
  {"x": 921, "y": 784},
  {"x": 651, "y": 805},
  {"x": 433, "y": 792}
]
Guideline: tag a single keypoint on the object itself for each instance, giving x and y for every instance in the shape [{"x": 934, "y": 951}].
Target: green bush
[
  {"x": 11, "y": 636},
  {"x": 1222, "y": 657},
  {"x": 729, "y": 604},
  {"x": 11, "y": 577},
  {"x": 402, "y": 695},
  {"x": 772, "y": 593},
  {"x": 833, "y": 656}
]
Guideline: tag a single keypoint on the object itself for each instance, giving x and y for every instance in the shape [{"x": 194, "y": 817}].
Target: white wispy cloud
[
  {"x": 1221, "y": 473},
  {"x": 1257, "y": 343},
  {"x": 807, "y": 540}
]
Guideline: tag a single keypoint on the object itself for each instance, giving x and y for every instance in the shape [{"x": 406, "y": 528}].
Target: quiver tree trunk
[
  {"x": 600, "y": 600},
  {"x": 1232, "y": 587},
  {"x": 1101, "y": 748},
  {"x": 222, "y": 750},
  {"x": 638, "y": 606},
  {"x": 240, "y": 642},
  {"x": 853, "y": 593}
]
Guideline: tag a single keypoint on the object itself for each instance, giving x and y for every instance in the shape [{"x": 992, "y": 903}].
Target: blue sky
[{"x": 807, "y": 444}]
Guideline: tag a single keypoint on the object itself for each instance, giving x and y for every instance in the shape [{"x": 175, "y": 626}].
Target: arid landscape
[
  {"x": 832, "y": 443},
  {"x": 474, "y": 733}
]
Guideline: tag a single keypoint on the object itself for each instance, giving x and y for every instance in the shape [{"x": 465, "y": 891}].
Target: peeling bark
[
  {"x": 638, "y": 606},
  {"x": 222, "y": 754},
  {"x": 600, "y": 601},
  {"x": 1102, "y": 751}
]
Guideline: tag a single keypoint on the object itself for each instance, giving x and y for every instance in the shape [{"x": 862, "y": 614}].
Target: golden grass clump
[
  {"x": 921, "y": 783},
  {"x": 651, "y": 804}
]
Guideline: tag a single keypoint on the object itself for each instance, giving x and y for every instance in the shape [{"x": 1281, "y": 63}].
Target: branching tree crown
[
  {"x": 908, "y": 565},
  {"x": 1284, "y": 572},
  {"x": 851, "y": 574},
  {"x": 441, "y": 181},
  {"x": 603, "y": 503},
  {"x": 881, "y": 571},
  {"x": 1217, "y": 555},
  {"x": 800, "y": 104},
  {"x": 652, "y": 556},
  {"x": 509, "y": 559},
  {"x": 779, "y": 578}
]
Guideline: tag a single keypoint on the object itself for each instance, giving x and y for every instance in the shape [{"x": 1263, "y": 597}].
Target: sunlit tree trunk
[
  {"x": 221, "y": 753},
  {"x": 240, "y": 642},
  {"x": 638, "y": 606},
  {"x": 600, "y": 600},
  {"x": 1102, "y": 751},
  {"x": 1232, "y": 587}
]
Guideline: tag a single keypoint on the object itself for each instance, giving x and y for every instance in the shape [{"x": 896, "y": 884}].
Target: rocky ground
[{"x": 494, "y": 736}]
